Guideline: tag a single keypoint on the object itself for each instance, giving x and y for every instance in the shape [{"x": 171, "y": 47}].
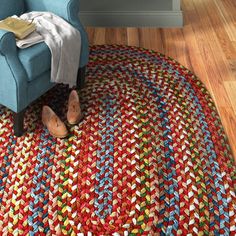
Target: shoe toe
[
  {"x": 74, "y": 112},
  {"x": 53, "y": 123}
]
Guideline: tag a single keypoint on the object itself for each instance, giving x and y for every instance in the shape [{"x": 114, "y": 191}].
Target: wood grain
[
  {"x": 231, "y": 91},
  {"x": 206, "y": 45}
]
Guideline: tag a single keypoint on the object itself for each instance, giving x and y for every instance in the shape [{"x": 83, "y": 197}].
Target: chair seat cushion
[{"x": 35, "y": 59}]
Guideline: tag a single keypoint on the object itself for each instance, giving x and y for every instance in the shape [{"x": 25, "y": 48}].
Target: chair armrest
[
  {"x": 7, "y": 42},
  {"x": 69, "y": 11},
  {"x": 13, "y": 75}
]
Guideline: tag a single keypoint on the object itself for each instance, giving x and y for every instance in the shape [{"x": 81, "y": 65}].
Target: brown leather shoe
[
  {"x": 74, "y": 114},
  {"x": 53, "y": 123}
]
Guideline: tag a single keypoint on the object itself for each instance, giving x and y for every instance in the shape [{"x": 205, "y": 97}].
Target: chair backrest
[{"x": 11, "y": 7}]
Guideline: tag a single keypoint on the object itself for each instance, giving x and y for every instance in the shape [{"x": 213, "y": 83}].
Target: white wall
[{"x": 156, "y": 13}]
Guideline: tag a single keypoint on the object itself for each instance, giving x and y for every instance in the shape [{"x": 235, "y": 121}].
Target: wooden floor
[{"x": 206, "y": 45}]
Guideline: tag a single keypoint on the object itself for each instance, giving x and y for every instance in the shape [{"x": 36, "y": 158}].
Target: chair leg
[
  {"x": 81, "y": 77},
  {"x": 18, "y": 119}
]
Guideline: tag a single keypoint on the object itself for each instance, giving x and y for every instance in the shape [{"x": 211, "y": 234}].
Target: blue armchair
[{"x": 25, "y": 73}]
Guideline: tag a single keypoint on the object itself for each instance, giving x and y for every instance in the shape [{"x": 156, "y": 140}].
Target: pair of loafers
[{"x": 55, "y": 126}]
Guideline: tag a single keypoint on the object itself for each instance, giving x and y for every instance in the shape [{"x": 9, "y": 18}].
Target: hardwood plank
[
  {"x": 228, "y": 13},
  {"x": 153, "y": 41},
  {"x": 232, "y": 64},
  {"x": 220, "y": 30},
  {"x": 207, "y": 42},
  {"x": 197, "y": 63},
  {"x": 230, "y": 87},
  {"x": 133, "y": 36},
  {"x": 217, "y": 53},
  {"x": 181, "y": 48},
  {"x": 99, "y": 36},
  {"x": 116, "y": 36},
  {"x": 91, "y": 34},
  {"x": 168, "y": 43}
]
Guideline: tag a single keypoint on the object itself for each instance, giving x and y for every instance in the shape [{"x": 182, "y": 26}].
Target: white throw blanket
[{"x": 63, "y": 40}]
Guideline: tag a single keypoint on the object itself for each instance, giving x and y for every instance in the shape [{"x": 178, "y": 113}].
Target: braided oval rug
[{"x": 149, "y": 158}]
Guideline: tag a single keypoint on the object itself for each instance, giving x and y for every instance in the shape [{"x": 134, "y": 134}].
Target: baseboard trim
[{"x": 132, "y": 19}]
